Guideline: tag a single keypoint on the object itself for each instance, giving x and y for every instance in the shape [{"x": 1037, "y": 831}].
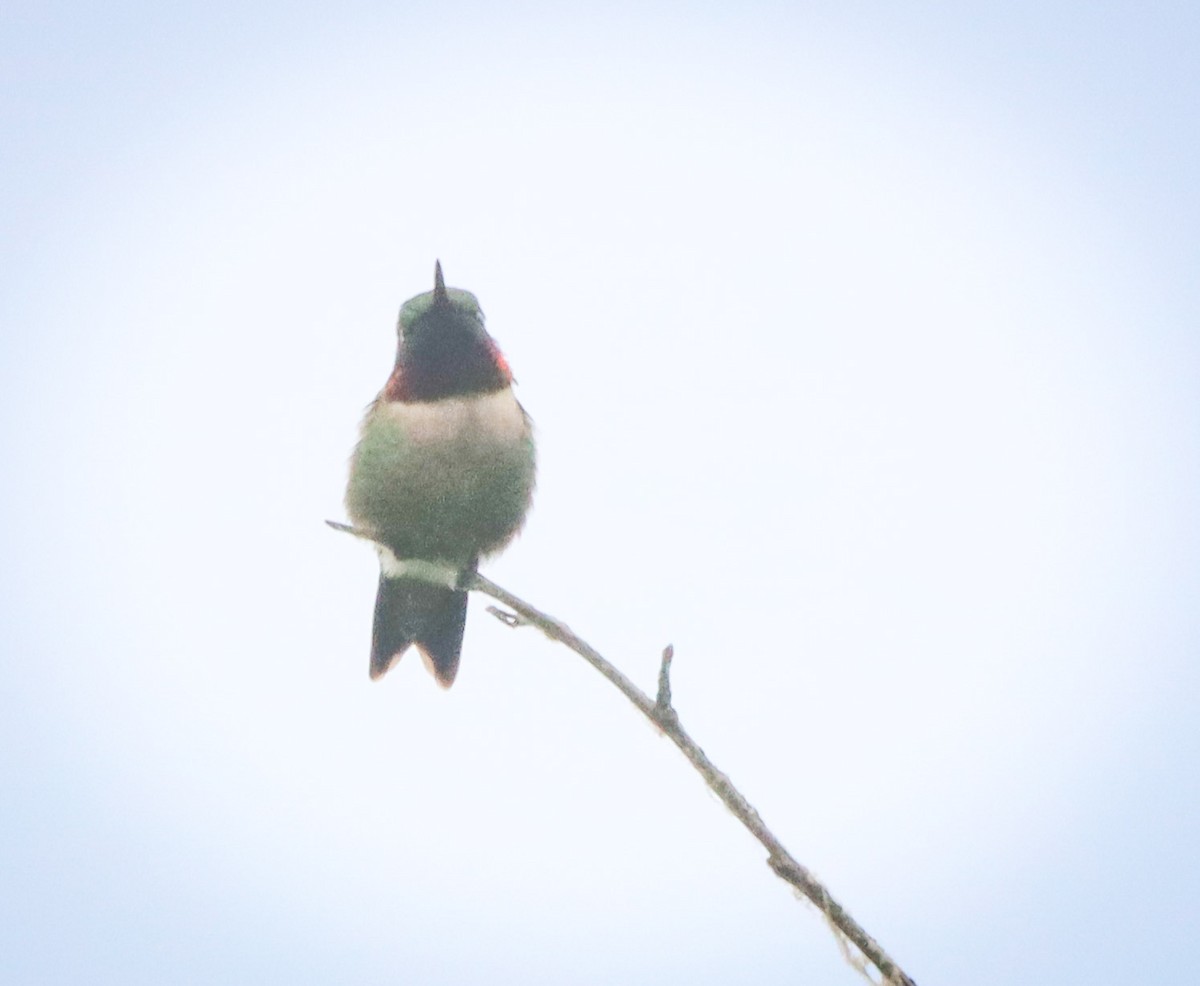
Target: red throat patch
[
  {"x": 397, "y": 387},
  {"x": 501, "y": 362},
  {"x": 393, "y": 390}
]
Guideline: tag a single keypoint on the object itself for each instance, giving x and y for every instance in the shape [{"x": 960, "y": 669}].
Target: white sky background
[{"x": 862, "y": 347}]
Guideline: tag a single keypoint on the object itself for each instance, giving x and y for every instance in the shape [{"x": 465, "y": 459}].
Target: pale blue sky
[{"x": 862, "y": 343}]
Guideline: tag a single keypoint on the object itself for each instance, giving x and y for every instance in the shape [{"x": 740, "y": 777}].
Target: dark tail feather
[{"x": 410, "y": 612}]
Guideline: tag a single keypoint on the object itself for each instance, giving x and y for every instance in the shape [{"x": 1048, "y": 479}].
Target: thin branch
[
  {"x": 780, "y": 860},
  {"x": 662, "y": 713}
]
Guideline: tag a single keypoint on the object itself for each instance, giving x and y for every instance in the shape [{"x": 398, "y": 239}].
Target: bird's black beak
[{"x": 439, "y": 285}]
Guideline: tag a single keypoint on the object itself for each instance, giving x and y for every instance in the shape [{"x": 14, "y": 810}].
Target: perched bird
[{"x": 443, "y": 474}]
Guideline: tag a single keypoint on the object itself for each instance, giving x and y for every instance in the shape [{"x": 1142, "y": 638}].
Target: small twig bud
[
  {"x": 662, "y": 702},
  {"x": 505, "y": 617}
]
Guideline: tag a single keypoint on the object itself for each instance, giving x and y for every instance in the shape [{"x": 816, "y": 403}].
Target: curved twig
[{"x": 662, "y": 713}]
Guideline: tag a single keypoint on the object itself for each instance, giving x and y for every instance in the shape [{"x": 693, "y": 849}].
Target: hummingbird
[{"x": 442, "y": 475}]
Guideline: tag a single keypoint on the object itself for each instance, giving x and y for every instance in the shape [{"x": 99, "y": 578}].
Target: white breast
[{"x": 493, "y": 418}]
